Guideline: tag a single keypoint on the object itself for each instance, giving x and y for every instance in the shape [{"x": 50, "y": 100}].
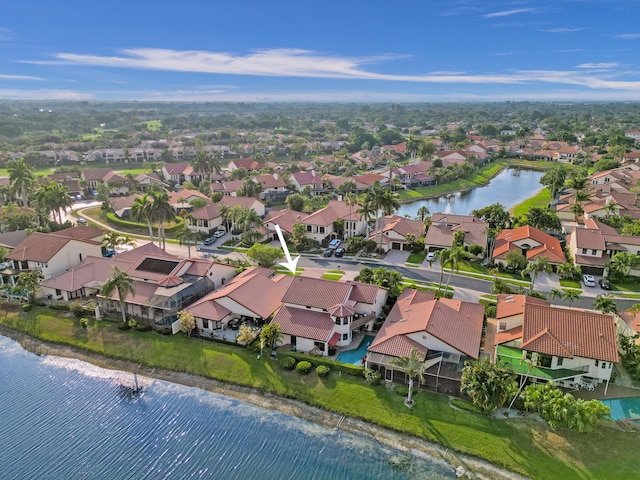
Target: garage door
[{"x": 396, "y": 245}]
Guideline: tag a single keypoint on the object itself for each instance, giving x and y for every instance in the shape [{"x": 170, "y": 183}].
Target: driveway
[{"x": 396, "y": 257}]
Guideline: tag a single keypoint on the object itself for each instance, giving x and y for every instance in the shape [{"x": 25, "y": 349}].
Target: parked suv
[
  {"x": 340, "y": 251},
  {"x": 604, "y": 284},
  {"x": 589, "y": 280},
  {"x": 209, "y": 241},
  {"x": 219, "y": 233},
  {"x": 335, "y": 243}
]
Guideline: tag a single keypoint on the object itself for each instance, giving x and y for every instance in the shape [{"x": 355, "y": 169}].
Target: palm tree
[
  {"x": 605, "y": 303},
  {"x": 488, "y": 384},
  {"x": 27, "y": 282},
  {"x": 556, "y": 293},
  {"x": 186, "y": 236},
  {"x": 454, "y": 258},
  {"x": 141, "y": 211},
  {"x": 570, "y": 295},
  {"x": 413, "y": 367},
  {"x": 422, "y": 213},
  {"x": 112, "y": 240},
  {"x": 534, "y": 267},
  {"x": 121, "y": 283},
  {"x": 412, "y": 146},
  {"x": 201, "y": 164},
  {"x": 366, "y": 211},
  {"x": 442, "y": 256},
  {"x": 21, "y": 179},
  {"x": 162, "y": 212},
  {"x": 611, "y": 208}
]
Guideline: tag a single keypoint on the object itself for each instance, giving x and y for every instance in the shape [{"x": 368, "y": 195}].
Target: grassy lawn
[
  {"x": 627, "y": 287},
  {"x": 484, "y": 175},
  {"x": 332, "y": 276},
  {"x": 569, "y": 283},
  {"x": 525, "y": 446},
  {"x": 540, "y": 200},
  {"x": 416, "y": 257}
]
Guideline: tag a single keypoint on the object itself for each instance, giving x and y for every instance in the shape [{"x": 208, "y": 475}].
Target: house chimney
[{"x": 275, "y": 176}]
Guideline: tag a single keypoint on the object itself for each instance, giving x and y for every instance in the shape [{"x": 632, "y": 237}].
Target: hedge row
[
  {"x": 119, "y": 222},
  {"x": 354, "y": 370}
]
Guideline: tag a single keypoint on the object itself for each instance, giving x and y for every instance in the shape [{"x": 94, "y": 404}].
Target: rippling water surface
[{"x": 65, "y": 419}]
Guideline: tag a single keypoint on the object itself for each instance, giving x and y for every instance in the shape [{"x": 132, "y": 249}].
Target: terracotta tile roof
[
  {"x": 334, "y": 210},
  {"x": 549, "y": 246},
  {"x": 316, "y": 292},
  {"x": 209, "y": 310},
  {"x": 456, "y": 323},
  {"x": 510, "y": 305},
  {"x": 399, "y": 346},
  {"x": 42, "y": 247},
  {"x": 93, "y": 271},
  {"x": 285, "y": 218},
  {"x": 508, "y": 335},
  {"x": 632, "y": 319},
  {"x": 307, "y": 178},
  {"x": 182, "y": 168},
  {"x": 304, "y": 323},
  {"x": 403, "y": 226},
  {"x": 342, "y": 311},
  {"x": 247, "y": 163},
  {"x": 589, "y": 239},
  {"x": 270, "y": 180},
  {"x": 186, "y": 196},
  {"x": 363, "y": 292},
  {"x": 82, "y": 233},
  {"x": 120, "y": 203},
  {"x": 568, "y": 332},
  {"x": 94, "y": 174}
]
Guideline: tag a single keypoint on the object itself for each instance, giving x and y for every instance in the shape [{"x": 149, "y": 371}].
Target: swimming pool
[
  {"x": 355, "y": 356},
  {"x": 624, "y": 407}
]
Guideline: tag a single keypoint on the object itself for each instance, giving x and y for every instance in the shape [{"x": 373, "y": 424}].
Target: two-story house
[
  {"x": 441, "y": 232},
  {"x": 398, "y": 233},
  {"x": 445, "y": 332},
  {"x": 532, "y": 242},
  {"x": 178, "y": 173},
  {"x": 93, "y": 177},
  {"x": 313, "y": 180},
  {"x": 545, "y": 343},
  {"x": 337, "y": 218},
  {"x": 322, "y": 314},
  {"x": 208, "y": 219},
  {"x": 274, "y": 187}
]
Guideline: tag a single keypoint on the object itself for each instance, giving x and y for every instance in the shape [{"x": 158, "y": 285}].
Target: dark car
[
  {"x": 604, "y": 284},
  {"x": 327, "y": 253},
  {"x": 234, "y": 323},
  {"x": 109, "y": 252},
  {"x": 340, "y": 252},
  {"x": 209, "y": 241}
]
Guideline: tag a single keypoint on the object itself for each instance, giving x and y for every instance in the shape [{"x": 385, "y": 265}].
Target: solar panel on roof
[{"x": 156, "y": 265}]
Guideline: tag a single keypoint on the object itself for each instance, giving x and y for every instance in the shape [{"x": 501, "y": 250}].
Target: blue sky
[{"x": 349, "y": 50}]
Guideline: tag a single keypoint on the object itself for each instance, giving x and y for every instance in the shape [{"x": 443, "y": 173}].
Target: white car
[
  {"x": 219, "y": 233},
  {"x": 589, "y": 280},
  {"x": 430, "y": 256}
]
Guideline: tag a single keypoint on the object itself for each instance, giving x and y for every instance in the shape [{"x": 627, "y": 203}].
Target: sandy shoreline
[{"x": 476, "y": 468}]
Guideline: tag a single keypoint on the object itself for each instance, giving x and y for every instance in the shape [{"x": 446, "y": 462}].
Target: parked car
[
  {"x": 604, "y": 284},
  {"x": 234, "y": 323},
  {"x": 327, "y": 253},
  {"x": 335, "y": 243},
  {"x": 219, "y": 233},
  {"x": 340, "y": 251},
  {"x": 109, "y": 252},
  {"x": 589, "y": 280},
  {"x": 209, "y": 241},
  {"x": 430, "y": 256}
]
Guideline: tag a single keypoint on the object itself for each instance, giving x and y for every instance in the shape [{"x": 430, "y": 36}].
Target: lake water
[
  {"x": 65, "y": 419},
  {"x": 506, "y": 188}
]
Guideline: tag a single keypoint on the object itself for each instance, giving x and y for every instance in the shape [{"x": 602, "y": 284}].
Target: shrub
[
  {"x": 125, "y": 326},
  {"x": 26, "y": 307},
  {"x": 355, "y": 370},
  {"x": 144, "y": 328},
  {"x": 372, "y": 377},
  {"x": 303, "y": 367},
  {"x": 84, "y": 322},
  {"x": 322, "y": 370},
  {"x": 60, "y": 306},
  {"x": 76, "y": 309},
  {"x": 163, "y": 330},
  {"x": 287, "y": 363},
  {"x": 402, "y": 390}
]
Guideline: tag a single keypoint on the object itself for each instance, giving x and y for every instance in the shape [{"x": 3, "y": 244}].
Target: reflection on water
[
  {"x": 67, "y": 419},
  {"x": 506, "y": 188}
]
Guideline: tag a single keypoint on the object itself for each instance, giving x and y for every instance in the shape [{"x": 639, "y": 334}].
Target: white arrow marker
[{"x": 289, "y": 264}]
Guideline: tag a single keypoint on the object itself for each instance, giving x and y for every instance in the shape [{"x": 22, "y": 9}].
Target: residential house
[
  {"x": 71, "y": 181},
  {"x": 628, "y": 324},
  {"x": 180, "y": 200},
  {"x": 92, "y": 177},
  {"x": 52, "y": 253},
  {"x": 146, "y": 181},
  {"x": 121, "y": 206},
  {"x": 440, "y": 233},
  {"x": 208, "y": 219},
  {"x": 301, "y": 180},
  {"x": 545, "y": 343},
  {"x": 229, "y": 188},
  {"x": 532, "y": 242},
  {"x": 163, "y": 284},
  {"x": 398, "y": 233},
  {"x": 285, "y": 218},
  {"x": 322, "y": 314},
  {"x": 247, "y": 163},
  {"x": 178, "y": 173},
  {"x": 445, "y": 333},
  {"x": 336, "y": 219},
  {"x": 254, "y": 295},
  {"x": 274, "y": 187}
]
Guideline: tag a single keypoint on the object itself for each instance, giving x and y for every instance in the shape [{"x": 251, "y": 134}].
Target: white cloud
[
  {"x": 605, "y": 65},
  {"x": 628, "y": 36},
  {"x": 18, "y": 77},
  {"x": 44, "y": 94},
  {"x": 561, "y": 30},
  {"x": 506, "y": 13},
  {"x": 6, "y": 34}
]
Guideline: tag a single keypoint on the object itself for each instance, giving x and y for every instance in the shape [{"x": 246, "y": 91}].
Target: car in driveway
[
  {"x": 430, "y": 256},
  {"x": 340, "y": 251},
  {"x": 219, "y": 234},
  {"x": 589, "y": 280},
  {"x": 209, "y": 241},
  {"x": 327, "y": 253},
  {"x": 335, "y": 243},
  {"x": 109, "y": 252},
  {"x": 604, "y": 284}
]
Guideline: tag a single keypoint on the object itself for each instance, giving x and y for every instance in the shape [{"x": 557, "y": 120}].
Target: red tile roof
[
  {"x": 456, "y": 323},
  {"x": 549, "y": 246},
  {"x": 567, "y": 332},
  {"x": 304, "y": 323},
  {"x": 325, "y": 294},
  {"x": 510, "y": 305}
]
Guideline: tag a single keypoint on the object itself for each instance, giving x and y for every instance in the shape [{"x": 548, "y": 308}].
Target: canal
[{"x": 509, "y": 187}]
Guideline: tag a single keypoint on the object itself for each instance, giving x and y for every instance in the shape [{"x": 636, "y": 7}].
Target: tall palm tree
[
  {"x": 605, "y": 303},
  {"x": 21, "y": 179},
  {"x": 413, "y": 367},
  {"x": 412, "y": 146},
  {"x": 534, "y": 267},
  {"x": 570, "y": 295},
  {"x": 141, "y": 211},
  {"x": 366, "y": 211},
  {"x": 121, "y": 283},
  {"x": 422, "y": 213},
  {"x": 162, "y": 212},
  {"x": 453, "y": 260},
  {"x": 186, "y": 236},
  {"x": 442, "y": 256},
  {"x": 201, "y": 164}
]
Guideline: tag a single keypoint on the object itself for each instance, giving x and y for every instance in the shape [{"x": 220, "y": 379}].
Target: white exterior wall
[
  {"x": 219, "y": 272},
  {"x": 512, "y": 322},
  {"x": 603, "y": 374},
  {"x": 67, "y": 257},
  {"x": 235, "y": 307},
  {"x": 306, "y": 344},
  {"x": 432, "y": 343}
]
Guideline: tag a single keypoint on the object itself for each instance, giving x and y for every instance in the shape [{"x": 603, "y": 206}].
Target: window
[
  {"x": 597, "y": 362},
  {"x": 594, "y": 252},
  {"x": 560, "y": 360},
  {"x": 205, "y": 323},
  {"x": 320, "y": 229},
  {"x": 345, "y": 336},
  {"x": 604, "y": 364},
  {"x": 308, "y": 228},
  {"x": 80, "y": 255},
  {"x": 584, "y": 251},
  {"x": 503, "y": 325}
]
